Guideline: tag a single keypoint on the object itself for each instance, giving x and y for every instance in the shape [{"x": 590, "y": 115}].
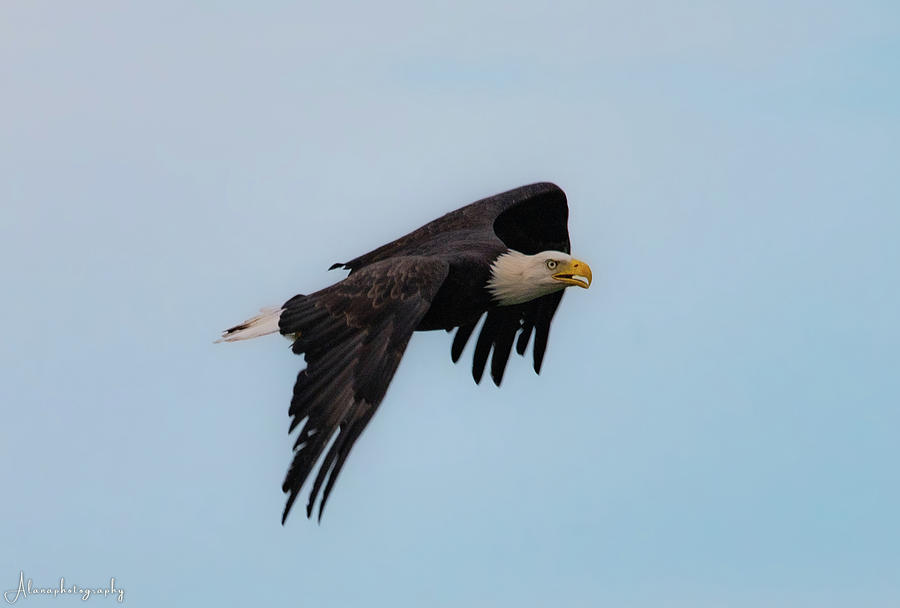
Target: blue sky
[{"x": 716, "y": 421}]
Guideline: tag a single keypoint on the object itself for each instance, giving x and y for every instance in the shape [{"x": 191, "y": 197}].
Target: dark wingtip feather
[
  {"x": 503, "y": 344},
  {"x": 540, "y": 346},
  {"x": 484, "y": 344},
  {"x": 524, "y": 337},
  {"x": 337, "y": 265},
  {"x": 544, "y": 316},
  {"x": 287, "y": 507},
  {"x": 460, "y": 340}
]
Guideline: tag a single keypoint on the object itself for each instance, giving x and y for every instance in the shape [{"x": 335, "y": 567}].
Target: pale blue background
[{"x": 717, "y": 422}]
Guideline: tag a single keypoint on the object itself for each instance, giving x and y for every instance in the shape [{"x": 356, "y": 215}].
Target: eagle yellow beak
[{"x": 575, "y": 272}]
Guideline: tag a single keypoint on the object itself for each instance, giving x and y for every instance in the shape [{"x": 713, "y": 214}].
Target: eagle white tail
[{"x": 266, "y": 322}]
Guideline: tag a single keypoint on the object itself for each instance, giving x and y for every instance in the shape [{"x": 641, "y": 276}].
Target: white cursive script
[{"x": 26, "y": 588}]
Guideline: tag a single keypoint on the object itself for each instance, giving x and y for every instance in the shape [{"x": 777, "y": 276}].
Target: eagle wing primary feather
[
  {"x": 353, "y": 335},
  {"x": 498, "y": 333}
]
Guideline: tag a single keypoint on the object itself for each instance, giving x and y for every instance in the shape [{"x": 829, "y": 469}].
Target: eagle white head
[{"x": 517, "y": 277}]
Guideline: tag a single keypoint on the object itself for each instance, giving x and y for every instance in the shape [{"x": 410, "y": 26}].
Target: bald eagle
[{"x": 506, "y": 256}]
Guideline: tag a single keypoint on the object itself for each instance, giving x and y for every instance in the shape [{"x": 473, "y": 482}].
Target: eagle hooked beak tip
[{"x": 574, "y": 272}]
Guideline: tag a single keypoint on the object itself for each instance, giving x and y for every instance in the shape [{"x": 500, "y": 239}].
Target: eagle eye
[{"x": 552, "y": 264}]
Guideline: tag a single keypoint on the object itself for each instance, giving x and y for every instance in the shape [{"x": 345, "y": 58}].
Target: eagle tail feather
[{"x": 266, "y": 322}]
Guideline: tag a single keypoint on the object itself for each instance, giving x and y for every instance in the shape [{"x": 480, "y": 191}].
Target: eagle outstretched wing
[{"x": 353, "y": 335}]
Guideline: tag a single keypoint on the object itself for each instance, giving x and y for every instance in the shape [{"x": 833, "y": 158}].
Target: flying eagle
[{"x": 506, "y": 255}]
